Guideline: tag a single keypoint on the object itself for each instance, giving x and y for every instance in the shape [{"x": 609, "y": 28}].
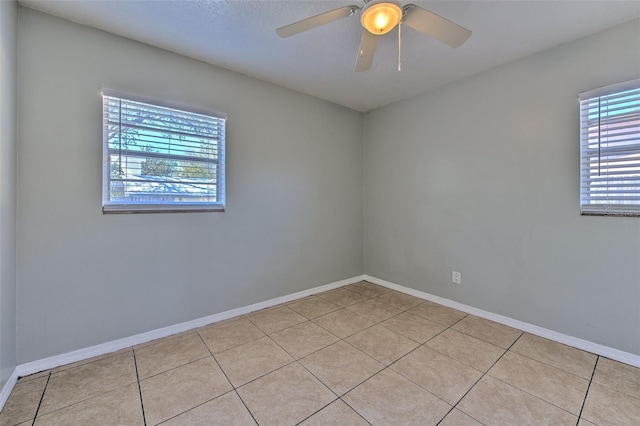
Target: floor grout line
[
  {"x": 477, "y": 381},
  {"x": 385, "y": 367},
  {"x": 61, "y": 369},
  {"x": 586, "y": 394},
  {"x": 339, "y": 397},
  {"x": 554, "y": 366},
  {"x": 354, "y": 410},
  {"x": 533, "y": 395},
  {"x": 234, "y": 389},
  {"x": 245, "y": 405},
  {"x": 35, "y": 416},
  {"x": 174, "y": 368},
  {"x": 135, "y": 363},
  {"x": 318, "y": 410},
  {"x": 85, "y": 399}
]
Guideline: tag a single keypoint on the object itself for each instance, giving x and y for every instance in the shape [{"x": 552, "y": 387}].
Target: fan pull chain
[{"x": 399, "y": 46}]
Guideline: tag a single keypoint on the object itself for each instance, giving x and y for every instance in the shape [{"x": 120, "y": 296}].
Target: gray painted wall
[
  {"x": 8, "y": 67},
  {"x": 294, "y": 195},
  {"x": 482, "y": 177}
]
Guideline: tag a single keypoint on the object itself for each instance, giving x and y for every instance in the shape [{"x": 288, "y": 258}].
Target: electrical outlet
[{"x": 456, "y": 277}]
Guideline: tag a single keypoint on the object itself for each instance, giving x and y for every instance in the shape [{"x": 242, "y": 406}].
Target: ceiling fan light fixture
[{"x": 380, "y": 17}]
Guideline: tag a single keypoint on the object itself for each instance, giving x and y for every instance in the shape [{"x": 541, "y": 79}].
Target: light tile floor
[{"x": 359, "y": 355}]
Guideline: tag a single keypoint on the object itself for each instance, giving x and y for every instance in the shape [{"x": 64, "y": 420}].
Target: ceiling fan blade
[
  {"x": 435, "y": 26},
  {"x": 316, "y": 21},
  {"x": 368, "y": 45}
]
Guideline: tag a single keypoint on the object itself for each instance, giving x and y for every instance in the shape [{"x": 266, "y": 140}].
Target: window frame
[
  {"x": 109, "y": 206},
  {"x": 619, "y": 160}
]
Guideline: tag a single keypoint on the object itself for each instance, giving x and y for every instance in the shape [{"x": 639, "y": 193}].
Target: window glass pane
[
  {"x": 161, "y": 158},
  {"x": 610, "y": 151}
]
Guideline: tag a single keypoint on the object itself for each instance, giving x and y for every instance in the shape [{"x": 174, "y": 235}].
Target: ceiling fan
[{"x": 378, "y": 17}]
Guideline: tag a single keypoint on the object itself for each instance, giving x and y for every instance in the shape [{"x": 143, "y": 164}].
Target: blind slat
[{"x": 147, "y": 124}]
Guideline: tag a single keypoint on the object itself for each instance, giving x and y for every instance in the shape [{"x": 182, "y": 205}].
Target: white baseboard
[
  {"x": 115, "y": 345},
  {"x": 8, "y": 387},
  {"x": 586, "y": 345}
]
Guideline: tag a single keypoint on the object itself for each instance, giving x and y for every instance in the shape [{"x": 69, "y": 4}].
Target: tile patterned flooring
[{"x": 358, "y": 355}]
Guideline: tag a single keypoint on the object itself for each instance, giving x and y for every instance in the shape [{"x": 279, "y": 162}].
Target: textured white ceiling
[{"x": 240, "y": 35}]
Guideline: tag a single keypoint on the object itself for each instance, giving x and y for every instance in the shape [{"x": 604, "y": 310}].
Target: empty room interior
[{"x": 205, "y": 221}]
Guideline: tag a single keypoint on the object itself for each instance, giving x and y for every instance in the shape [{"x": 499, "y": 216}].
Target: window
[
  {"x": 610, "y": 150},
  {"x": 157, "y": 158}
]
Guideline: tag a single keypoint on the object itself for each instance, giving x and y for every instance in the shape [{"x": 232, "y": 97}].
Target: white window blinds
[
  {"x": 610, "y": 150},
  {"x": 158, "y": 158}
]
